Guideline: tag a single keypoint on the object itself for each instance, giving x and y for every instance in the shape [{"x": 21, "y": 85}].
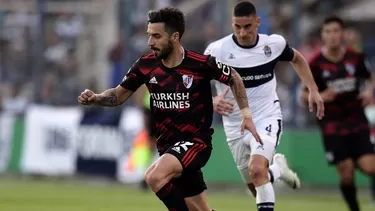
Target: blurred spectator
[
  {"x": 310, "y": 46},
  {"x": 61, "y": 85},
  {"x": 68, "y": 26},
  {"x": 16, "y": 102},
  {"x": 115, "y": 57},
  {"x": 211, "y": 32},
  {"x": 56, "y": 50},
  {"x": 353, "y": 39}
]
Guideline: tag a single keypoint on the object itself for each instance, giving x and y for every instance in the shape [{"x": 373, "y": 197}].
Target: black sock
[
  {"x": 349, "y": 193},
  {"x": 172, "y": 198},
  {"x": 373, "y": 187}
]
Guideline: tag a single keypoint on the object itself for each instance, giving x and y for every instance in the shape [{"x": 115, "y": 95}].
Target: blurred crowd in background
[{"x": 51, "y": 50}]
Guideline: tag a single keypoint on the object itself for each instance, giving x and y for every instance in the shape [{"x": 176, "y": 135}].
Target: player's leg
[
  {"x": 241, "y": 156},
  {"x": 348, "y": 189},
  {"x": 240, "y": 149},
  {"x": 193, "y": 187},
  {"x": 364, "y": 153},
  {"x": 193, "y": 156},
  {"x": 279, "y": 170},
  {"x": 260, "y": 159},
  {"x": 338, "y": 154},
  {"x": 265, "y": 195},
  {"x": 158, "y": 178},
  {"x": 363, "y": 150},
  {"x": 198, "y": 202}
]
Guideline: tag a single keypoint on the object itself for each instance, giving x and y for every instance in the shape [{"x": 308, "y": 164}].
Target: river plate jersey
[
  {"x": 181, "y": 98},
  {"x": 345, "y": 114}
]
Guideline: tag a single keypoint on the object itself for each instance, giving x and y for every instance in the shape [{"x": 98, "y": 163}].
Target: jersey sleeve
[
  {"x": 363, "y": 67},
  {"x": 218, "y": 71},
  {"x": 287, "y": 52},
  {"x": 133, "y": 78}
]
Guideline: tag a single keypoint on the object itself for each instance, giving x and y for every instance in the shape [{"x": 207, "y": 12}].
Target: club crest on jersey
[
  {"x": 350, "y": 68},
  {"x": 267, "y": 51},
  {"x": 326, "y": 74},
  {"x": 187, "y": 80}
]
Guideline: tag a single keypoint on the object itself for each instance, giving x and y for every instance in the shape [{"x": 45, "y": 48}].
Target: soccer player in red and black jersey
[
  {"x": 339, "y": 72},
  {"x": 179, "y": 83}
]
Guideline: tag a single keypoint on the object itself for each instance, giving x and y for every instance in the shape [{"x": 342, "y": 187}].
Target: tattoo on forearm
[
  {"x": 238, "y": 90},
  {"x": 108, "y": 98}
]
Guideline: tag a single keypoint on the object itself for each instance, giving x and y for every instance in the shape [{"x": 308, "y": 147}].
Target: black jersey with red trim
[
  {"x": 181, "y": 99},
  {"x": 345, "y": 114}
]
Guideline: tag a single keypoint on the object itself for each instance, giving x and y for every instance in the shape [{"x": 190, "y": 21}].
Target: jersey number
[
  {"x": 224, "y": 68},
  {"x": 183, "y": 145},
  {"x": 269, "y": 128}
]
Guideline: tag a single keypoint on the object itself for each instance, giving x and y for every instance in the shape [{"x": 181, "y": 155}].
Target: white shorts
[{"x": 270, "y": 130}]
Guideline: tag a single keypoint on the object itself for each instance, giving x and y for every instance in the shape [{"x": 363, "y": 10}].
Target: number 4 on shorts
[{"x": 269, "y": 128}]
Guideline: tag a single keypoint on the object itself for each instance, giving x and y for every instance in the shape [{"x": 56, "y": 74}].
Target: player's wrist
[
  {"x": 97, "y": 98},
  {"x": 313, "y": 88},
  {"x": 246, "y": 113}
]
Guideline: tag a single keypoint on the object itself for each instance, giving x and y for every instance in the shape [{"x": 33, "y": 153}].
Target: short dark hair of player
[
  {"x": 244, "y": 9},
  {"x": 172, "y": 18},
  {"x": 334, "y": 19}
]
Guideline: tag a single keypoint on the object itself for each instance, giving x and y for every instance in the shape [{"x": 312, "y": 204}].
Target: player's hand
[
  {"x": 87, "y": 97},
  {"x": 328, "y": 95},
  {"x": 314, "y": 97},
  {"x": 366, "y": 97},
  {"x": 221, "y": 105},
  {"x": 247, "y": 123}
]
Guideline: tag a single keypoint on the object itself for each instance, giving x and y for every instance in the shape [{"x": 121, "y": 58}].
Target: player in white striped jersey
[{"x": 254, "y": 57}]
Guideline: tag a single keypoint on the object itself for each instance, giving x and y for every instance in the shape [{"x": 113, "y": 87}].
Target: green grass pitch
[{"x": 32, "y": 195}]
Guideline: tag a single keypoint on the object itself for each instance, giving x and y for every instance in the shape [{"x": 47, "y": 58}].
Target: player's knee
[
  {"x": 154, "y": 179},
  {"x": 367, "y": 164},
  {"x": 257, "y": 172},
  {"x": 346, "y": 176},
  {"x": 345, "y": 169},
  {"x": 368, "y": 169}
]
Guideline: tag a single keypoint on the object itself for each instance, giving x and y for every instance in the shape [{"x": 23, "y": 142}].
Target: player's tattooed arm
[
  {"x": 239, "y": 93},
  {"x": 113, "y": 97},
  {"x": 238, "y": 90}
]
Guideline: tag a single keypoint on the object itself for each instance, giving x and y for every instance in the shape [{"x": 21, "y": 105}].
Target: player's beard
[{"x": 164, "y": 52}]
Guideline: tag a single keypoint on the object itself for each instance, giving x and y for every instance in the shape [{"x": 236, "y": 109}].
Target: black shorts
[
  {"x": 193, "y": 156},
  {"x": 150, "y": 122},
  {"x": 352, "y": 146}
]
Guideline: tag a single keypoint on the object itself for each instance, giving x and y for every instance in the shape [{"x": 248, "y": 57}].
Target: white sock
[
  {"x": 276, "y": 172},
  {"x": 265, "y": 197}
]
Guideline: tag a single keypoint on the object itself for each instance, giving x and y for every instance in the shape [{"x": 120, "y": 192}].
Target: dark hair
[
  {"x": 334, "y": 19},
  {"x": 172, "y": 18},
  {"x": 244, "y": 8}
]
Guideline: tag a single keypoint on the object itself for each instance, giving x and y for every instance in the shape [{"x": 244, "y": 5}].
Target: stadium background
[{"x": 56, "y": 155}]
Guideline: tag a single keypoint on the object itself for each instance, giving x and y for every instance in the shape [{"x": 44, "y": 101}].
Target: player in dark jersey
[
  {"x": 338, "y": 72},
  {"x": 179, "y": 84}
]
